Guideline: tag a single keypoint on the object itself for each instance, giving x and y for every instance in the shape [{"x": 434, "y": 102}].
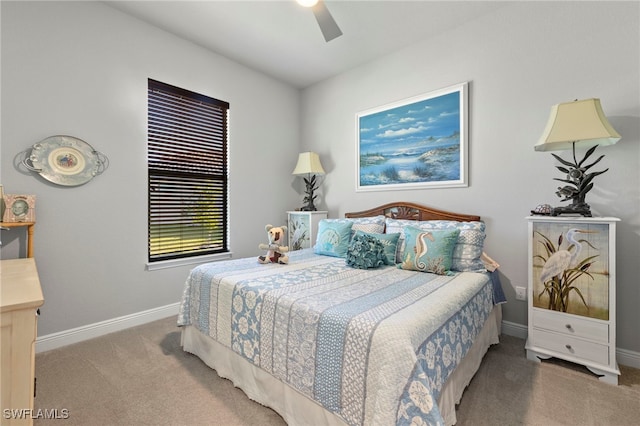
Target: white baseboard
[
  {"x": 624, "y": 356},
  {"x": 628, "y": 358},
  {"x": 79, "y": 334},
  {"x": 514, "y": 329}
]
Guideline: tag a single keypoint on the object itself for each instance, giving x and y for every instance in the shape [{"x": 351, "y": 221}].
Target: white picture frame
[{"x": 419, "y": 142}]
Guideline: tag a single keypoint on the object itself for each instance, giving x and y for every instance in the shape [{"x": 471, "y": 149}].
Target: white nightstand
[
  {"x": 572, "y": 314},
  {"x": 303, "y": 228}
]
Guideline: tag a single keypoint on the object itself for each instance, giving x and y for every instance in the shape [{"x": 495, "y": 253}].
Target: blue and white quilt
[{"x": 372, "y": 346}]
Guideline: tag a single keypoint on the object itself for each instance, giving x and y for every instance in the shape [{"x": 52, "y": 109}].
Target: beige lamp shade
[
  {"x": 582, "y": 122},
  {"x": 308, "y": 163}
]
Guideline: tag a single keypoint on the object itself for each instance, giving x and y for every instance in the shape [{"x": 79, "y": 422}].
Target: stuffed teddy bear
[{"x": 276, "y": 251}]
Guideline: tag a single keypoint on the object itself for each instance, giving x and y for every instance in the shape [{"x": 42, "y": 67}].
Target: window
[{"x": 187, "y": 164}]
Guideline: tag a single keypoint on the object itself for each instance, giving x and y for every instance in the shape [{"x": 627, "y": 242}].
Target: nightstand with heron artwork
[
  {"x": 572, "y": 292},
  {"x": 303, "y": 228}
]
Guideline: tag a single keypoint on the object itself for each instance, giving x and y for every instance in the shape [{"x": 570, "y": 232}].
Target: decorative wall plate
[{"x": 65, "y": 160}]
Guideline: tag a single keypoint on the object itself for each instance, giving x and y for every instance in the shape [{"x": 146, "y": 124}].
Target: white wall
[
  {"x": 81, "y": 69},
  {"x": 519, "y": 60}
]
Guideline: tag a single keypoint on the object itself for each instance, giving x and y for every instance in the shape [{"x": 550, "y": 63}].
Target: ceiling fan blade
[{"x": 328, "y": 26}]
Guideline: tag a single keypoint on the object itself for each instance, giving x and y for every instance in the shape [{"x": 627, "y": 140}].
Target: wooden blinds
[{"x": 187, "y": 164}]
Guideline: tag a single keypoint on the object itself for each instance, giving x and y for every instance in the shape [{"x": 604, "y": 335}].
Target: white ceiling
[{"x": 282, "y": 39}]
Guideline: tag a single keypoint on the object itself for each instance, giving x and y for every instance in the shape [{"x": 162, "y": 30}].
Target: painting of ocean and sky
[{"x": 420, "y": 142}]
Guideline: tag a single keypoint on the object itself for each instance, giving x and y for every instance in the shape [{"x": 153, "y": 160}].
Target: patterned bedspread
[{"x": 372, "y": 346}]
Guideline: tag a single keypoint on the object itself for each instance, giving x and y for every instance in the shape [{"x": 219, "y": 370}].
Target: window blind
[{"x": 188, "y": 170}]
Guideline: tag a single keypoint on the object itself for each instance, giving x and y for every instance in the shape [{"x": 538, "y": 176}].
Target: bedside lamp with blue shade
[
  {"x": 574, "y": 124},
  {"x": 309, "y": 165}
]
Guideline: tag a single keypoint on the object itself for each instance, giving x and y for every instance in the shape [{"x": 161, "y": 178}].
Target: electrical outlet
[{"x": 521, "y": 293}]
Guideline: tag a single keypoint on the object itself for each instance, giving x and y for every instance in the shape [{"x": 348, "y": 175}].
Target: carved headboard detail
[{"x": 413, "y": 211}]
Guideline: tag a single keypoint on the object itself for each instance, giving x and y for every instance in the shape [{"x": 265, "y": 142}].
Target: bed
[{"x": 336, "y": 338}]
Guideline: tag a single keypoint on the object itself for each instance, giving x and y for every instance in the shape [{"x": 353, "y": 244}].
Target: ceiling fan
[{"x": 328, "y": 26}]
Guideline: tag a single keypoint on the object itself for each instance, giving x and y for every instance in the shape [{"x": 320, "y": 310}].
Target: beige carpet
[{"x": 141, "y": 376}]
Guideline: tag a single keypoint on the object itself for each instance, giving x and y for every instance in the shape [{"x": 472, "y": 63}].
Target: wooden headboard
[{"x": 412, "y": 211}]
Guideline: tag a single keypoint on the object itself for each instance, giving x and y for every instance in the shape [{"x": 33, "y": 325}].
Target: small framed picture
[{"x": 19, "y": 208}]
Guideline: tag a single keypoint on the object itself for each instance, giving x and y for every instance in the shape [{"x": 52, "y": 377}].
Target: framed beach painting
[{"x": 420, "y": 142}]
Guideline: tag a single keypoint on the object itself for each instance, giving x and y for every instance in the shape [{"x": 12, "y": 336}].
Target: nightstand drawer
[
  {"x": 571, "y": 325},
  {"x": 570, "y": 346}
]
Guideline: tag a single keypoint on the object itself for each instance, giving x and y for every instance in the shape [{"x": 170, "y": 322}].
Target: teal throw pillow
[
  {"x": 389, "y": 242},
  {"x": 429, "y": 251},
  {"x": 333, "y": 238},
  {"x": 365, "y": 252}
]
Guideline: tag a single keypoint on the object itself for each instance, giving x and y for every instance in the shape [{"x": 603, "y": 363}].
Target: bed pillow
[
  {"x": 372, "y": 224},
  {"x": 388, "y": 241},
  {"x": 333, "y": 238},
  {"x": 365, "y": 252},
  {"x": 468, "y": 250},
  {"x": 429, "y": 251}
]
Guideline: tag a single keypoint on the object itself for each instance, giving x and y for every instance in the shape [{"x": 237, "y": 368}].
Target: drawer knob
[
  {"x": 568, "y": 327},
  {"x": 569, "y": 348}
]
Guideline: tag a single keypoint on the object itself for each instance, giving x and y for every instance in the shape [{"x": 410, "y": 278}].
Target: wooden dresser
[{"x": 20, "y": 297}]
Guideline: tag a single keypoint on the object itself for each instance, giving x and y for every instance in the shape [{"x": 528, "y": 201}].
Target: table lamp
[
  {"x": 309, "y": 165},
  {"x": 583, "y": 124}
]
